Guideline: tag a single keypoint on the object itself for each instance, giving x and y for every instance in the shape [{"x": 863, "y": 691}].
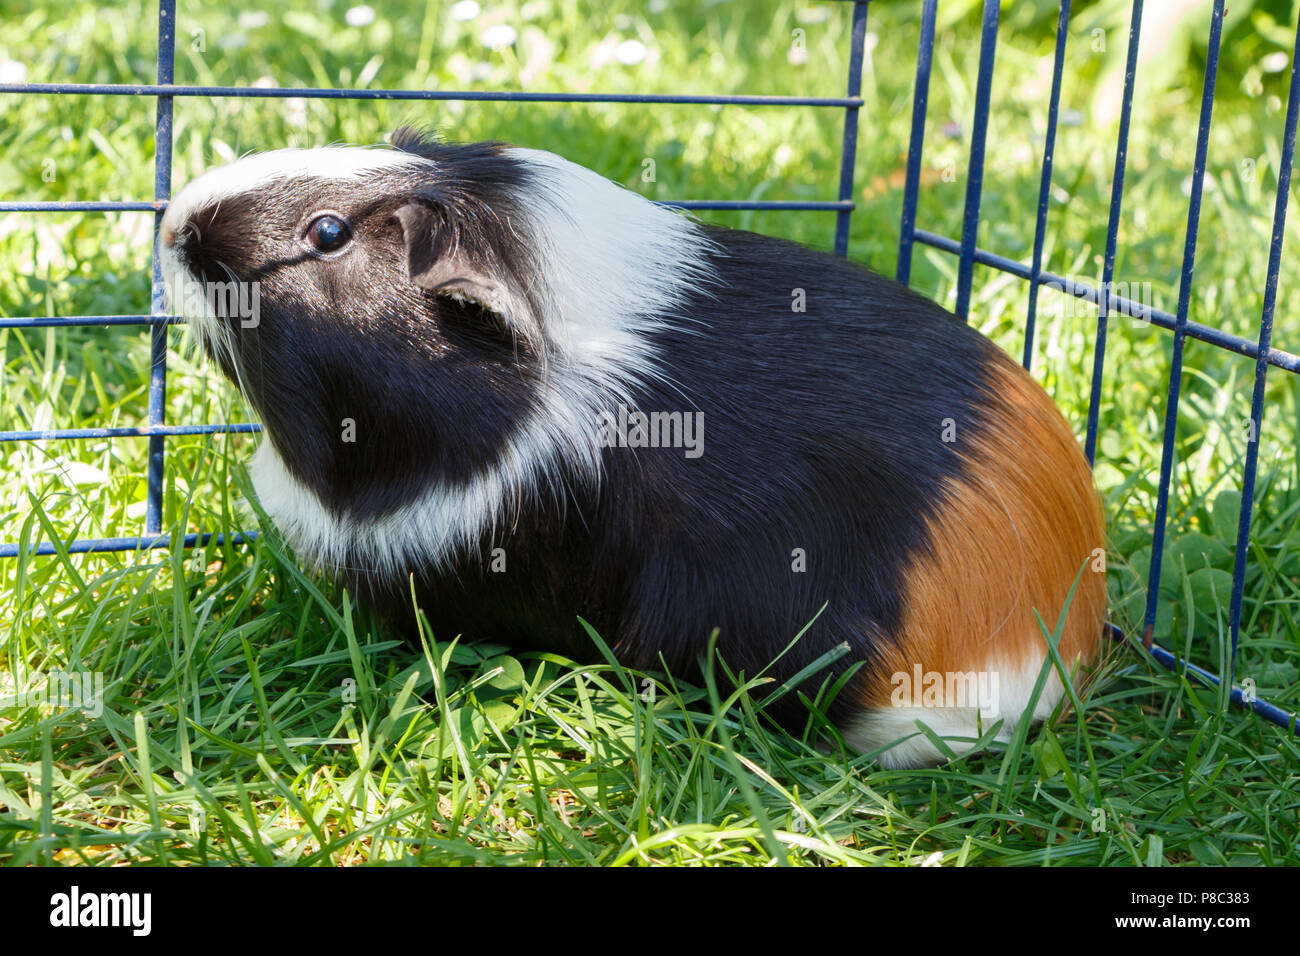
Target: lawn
[{"x": 251, "y": 713}]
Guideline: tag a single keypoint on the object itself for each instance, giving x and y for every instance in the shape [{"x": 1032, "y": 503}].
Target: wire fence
[{"x": 965, "y": 248}]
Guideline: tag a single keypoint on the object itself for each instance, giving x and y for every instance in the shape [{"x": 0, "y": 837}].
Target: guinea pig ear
[{"x": 453, "y": 272}]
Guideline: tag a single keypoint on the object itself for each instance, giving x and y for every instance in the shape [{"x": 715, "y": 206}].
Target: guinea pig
[{"x": 494, "y": 380}]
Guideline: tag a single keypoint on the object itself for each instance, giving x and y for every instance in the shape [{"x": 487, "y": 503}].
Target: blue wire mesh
[
  {"x": 965, "y": 248},
  {"x": 969, "y": 254},
  {"x": 156, "y": 430}
]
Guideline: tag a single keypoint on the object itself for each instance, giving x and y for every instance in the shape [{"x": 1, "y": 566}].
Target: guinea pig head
[
  {"x": 426, "y": 331},
  {"x": 363, "y": 300}
]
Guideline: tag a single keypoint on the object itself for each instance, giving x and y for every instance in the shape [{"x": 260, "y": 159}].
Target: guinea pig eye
[{"x": 328, "y": 234}]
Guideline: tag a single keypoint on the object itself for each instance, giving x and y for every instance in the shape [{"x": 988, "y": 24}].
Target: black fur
[{"x": 822, "y": 432}]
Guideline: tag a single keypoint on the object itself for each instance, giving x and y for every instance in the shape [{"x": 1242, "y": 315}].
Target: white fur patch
[
  {"x": 261, "y": 169},
  {"x": 896, "y": 728},
  {"x": 446, "y": 520},
  {"x": 611, "y": 264}
]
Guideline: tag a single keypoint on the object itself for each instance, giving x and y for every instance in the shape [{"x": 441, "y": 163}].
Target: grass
[{"x": 251, "y": 714}]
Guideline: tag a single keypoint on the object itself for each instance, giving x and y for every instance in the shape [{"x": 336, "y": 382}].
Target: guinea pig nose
[
  {"x": 168, "y": 228},
  {"x": 174, "y": 232}
]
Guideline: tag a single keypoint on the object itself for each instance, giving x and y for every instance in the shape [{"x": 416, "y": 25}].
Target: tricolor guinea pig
[{"x": 493, "y": 377}]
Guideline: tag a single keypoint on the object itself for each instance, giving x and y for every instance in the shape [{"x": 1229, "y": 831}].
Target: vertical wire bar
[
  {"x": 1045, "y": 186},
  {"x": 162, "y": 185},
  {"x": 920, "y": 101},
  {"x": 849, "y": 147},
  {"x": 975, "y": 175},
  {"x": 1180, "y": 326},
  {"x": 1261, "y": 363},
  {"x": 1112, "y": 233}
]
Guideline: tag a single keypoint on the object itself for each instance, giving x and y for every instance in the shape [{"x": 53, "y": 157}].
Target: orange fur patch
[{"x": 1009, "y": 538}]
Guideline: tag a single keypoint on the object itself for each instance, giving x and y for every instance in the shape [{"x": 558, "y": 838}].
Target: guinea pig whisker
[{"x": 223, "y": 343}]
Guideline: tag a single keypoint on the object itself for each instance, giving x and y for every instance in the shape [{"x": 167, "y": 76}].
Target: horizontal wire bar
[
  {"x": 149, "y": 543},
  {"x": 1270, "y": 712},
  {"x": 1082, "y": 290},
  {"x": 128, "y": 205},
  {"x": 142, "y": 431},
  {"x": 829, "y": 205},
  {"x": 792, "y": 205},
  {"x": 77, "y": 321},
  {"x": 503, "y": 96}
]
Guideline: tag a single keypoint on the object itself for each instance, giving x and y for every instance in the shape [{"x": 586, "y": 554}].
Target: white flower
[
  {"x": 361, "y": 16},
  {"x": 295, "y": 111},
  {"x": 80, "y": 473},
  {"x": 629, "y": 52},
  {"x": 1275, "y": 62},
  {"x": 465, "y": 10},
  {"x": 254, "y": 19},
  {"x": 11, "y": 71},
  {"x": 498, "y": 36}
]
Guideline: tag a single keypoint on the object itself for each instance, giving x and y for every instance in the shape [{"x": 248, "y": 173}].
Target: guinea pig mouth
[
  {"x": 215, "y": 303},
  {"x": 204, "y": 290}
]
